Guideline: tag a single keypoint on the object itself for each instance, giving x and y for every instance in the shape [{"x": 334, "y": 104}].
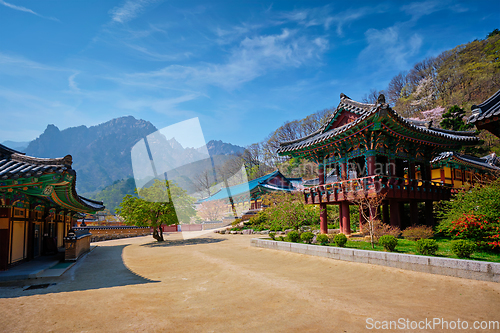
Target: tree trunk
[
  {"x": 158, "y": 235},
  {"x": 161, "y": 233},
  {"x": 372, "y": 231}
]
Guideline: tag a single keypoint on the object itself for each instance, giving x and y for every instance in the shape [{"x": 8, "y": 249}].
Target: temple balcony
[{"x": 392, "y": 187}]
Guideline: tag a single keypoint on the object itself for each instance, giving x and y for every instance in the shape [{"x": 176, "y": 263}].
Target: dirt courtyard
[{"x": 218, "y": 283}]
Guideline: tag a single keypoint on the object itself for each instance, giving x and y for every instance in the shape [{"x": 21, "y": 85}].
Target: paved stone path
[{"x": 218, "y": 283}]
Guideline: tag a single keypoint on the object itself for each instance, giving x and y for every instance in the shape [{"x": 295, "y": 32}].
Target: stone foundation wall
[
  {"x": 106, "y": 233},
  {"x": 468, "y": 269}
]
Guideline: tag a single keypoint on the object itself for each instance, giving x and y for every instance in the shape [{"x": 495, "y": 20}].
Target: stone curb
[{"x": 467, "y": 269}]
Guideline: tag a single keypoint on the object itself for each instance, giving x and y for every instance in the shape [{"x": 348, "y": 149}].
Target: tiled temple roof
[
  {"x": 487, "y": 109},
  {"x": 365, "y": 111},
  {"x": 490, "y": 162},
  {"x": 251, "y": 186},
  {"x": 15, "y": 165}
]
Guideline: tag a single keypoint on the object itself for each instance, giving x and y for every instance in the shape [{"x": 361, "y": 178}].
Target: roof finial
[
  {"x": 342, "y": 95},
  {"x": 381, "y": 99}
]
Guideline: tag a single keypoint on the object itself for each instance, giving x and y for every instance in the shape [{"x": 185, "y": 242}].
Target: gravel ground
[{"x": 218, "y": 283}]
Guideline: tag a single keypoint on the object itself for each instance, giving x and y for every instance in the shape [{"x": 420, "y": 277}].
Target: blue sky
[{"x": 243, "y": 68}]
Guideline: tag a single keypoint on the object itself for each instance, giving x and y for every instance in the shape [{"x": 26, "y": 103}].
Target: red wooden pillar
[
  {"x": 321, "y": 173},
  {"x": 370, "y": 161},
  {"x": 411, "y": 170},
  {"x": 443, "y": 180},
  {"x": 428, "y": 172},
  {"x": 346, "y": 218},
  {"x": 4, "y": 237},
  {"x": 392, "y": 167},
  {"x": 323, "y": 217},
  {"x": 343, "y": 170},
  {"x": 341, "y": 220},
  {"x": 395, "y": 214}
]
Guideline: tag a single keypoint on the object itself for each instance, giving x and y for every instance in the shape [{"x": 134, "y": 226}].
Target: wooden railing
[{"x": 392, "y": 187}]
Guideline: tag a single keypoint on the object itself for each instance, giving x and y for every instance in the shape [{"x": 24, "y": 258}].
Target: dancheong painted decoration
[
  {"x": 38, "y": 205},
  {"x": 370, "y": 149}
]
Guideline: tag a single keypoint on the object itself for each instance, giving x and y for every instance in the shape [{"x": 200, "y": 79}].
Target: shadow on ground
[
  {"x": 183, "y": 242},
  {"x": 102, "y": 268}
]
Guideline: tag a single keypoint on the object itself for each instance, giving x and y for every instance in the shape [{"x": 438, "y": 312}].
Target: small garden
[{"x": 468, "y": 227}]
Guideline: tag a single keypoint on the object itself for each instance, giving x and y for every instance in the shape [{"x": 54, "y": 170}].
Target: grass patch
[{"x": 409, "y": 247}]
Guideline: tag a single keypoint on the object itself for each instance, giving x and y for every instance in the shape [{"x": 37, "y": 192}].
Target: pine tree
[{"x": 454, "y": 119}]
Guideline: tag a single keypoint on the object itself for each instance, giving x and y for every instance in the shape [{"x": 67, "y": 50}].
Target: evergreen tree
[{"x": 454, "y": 119}]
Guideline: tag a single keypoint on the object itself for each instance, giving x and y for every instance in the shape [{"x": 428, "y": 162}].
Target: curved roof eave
[{"x": 318, "y": 137}]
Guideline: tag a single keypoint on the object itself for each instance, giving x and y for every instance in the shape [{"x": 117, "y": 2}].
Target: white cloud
[
  {"x": 17, "y": 61},
  {"x": 72, "y": 84},
  {"x": 387, "y": 48},
  {"x": 419, "y": 9},
  {"x": 323, "y": 16},
  {"x": 253, "y": 57},
  {"x": 232, "y": 34},
  {"x": 156, "y": 56},
  {"x": 167, "y": 106},
  {"x": 129, "y": 10},
  {"x": 26, "y": 10}
]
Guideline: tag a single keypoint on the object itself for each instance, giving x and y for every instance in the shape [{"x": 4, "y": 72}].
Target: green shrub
[
  {"x": 288, "y": 211},
  {"x": 307, "y": 237},
  {"x": 281, "y": 238},
  {"x": 235, "y": 222},
  {"x": 293, "y": 236},
  {"x": 479, "y": 200},
  {"x": 340, "y": 240},
  {"x": 272, "y": 235},
  {"x": 258, "y": 219},
  {"x": 322, "y": 239},
  {"x": 388, "y": 242},
  {"x": 462, "y": 248},
  {"x": 427, "y": 246},
  {"x": 416, "y": 232}
]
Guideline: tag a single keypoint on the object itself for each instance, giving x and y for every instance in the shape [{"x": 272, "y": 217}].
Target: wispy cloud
[
  {"x": 72, "y": 84},
  {"x": 26, "y": 10},
  {"x": 129, "y": 10},
  {"x": 156, "y": 56},
  {"x": 387, "y": 48},
  {"x": 18, "y": 61},
  {"x": 419, "y": 9},
  {"x": 232, "y": 34},
  {"x": 167, "y": 106},
  {"x": 253, "y": 57},
  {"x": 323, "y": 16}
]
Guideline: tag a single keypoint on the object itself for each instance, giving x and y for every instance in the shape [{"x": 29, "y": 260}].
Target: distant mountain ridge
[
  {"x": 101, "y": 153},
  {"x": 217, "y": 147},
  {"x": 16, "y": 145}
]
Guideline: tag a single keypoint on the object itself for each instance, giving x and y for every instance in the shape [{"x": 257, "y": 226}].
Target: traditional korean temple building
[
  {"x": 369, "y": 149},
  {"x": 38, "y": 203},
  {"x": 450, "y": 168},
  {"x": 459, "y": 170},
  {"x": 250, "y": 194},
  {"x": 487, "y": 114}
]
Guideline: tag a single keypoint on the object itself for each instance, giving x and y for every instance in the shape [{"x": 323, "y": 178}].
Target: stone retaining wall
[
  {"x": 468, "y": 269},
  {"x": 106, "y": 233}
]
